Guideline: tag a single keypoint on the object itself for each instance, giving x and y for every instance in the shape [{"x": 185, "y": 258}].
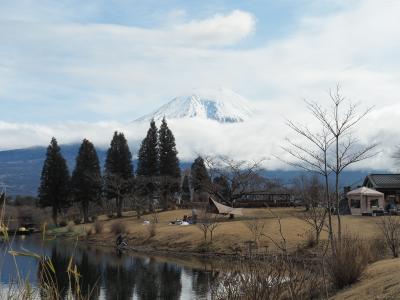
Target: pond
[{"x": 106, "y": 274}]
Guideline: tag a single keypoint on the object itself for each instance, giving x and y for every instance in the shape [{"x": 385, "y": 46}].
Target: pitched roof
[
  {"x": 365, "y": 192},
  {"x": 383, "y": 180}
]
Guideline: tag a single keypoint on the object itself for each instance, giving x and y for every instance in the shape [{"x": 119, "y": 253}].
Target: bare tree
[
  {"x": 334, "y": 149},
  {"x": 312, "y": 192},
  {"x": 214, "y": 224},
  {"x": 135, "y": 198},
  {"x": 390, "y": 228},
  {"x": 340, "y": 121},
  {"x": 256, "y": 228},
  {"x": 119, "y": 188},
  {"x": 241, "y": 176},
  {"x": 314, "y": 159},
  {"x": 207, "y": 223}
]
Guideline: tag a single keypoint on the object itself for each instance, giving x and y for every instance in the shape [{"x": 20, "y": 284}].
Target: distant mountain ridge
[
  {"x": 20, "y": 169},
  {"x": 224, "y": 106}
]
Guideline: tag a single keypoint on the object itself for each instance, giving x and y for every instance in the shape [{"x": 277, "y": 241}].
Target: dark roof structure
[{"x": 382, "y": 181}]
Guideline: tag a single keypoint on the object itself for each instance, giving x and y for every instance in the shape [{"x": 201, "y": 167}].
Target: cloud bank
[{"x": 69, "y": 78}]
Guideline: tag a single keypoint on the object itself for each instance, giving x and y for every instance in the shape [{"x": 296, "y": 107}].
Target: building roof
[
  {"x": 383, "y": 181},
  {"x": 364, "y": 191}
]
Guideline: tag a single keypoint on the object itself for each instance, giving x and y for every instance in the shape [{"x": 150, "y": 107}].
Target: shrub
[
  {"x": 390, "y": 228},
  {"x": 310, "y": 241},
  {"x": 278, "y": 278},
  {"x": 118, "y": 228},
  {"x": 98, "y": 227},
  {"x": 151, "y": 228},
  {"x": 377, "y": 249},
  {"x": 348, "y": 261},
  {"x": 77, "y": 221}
]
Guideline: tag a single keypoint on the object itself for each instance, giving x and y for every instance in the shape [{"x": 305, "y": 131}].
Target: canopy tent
[
  {"x": 218, "y": 208},
  {"x": 365, "y": 200}
]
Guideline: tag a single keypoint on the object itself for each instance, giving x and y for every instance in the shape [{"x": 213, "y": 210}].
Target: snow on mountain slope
[{"x": 223, "y": 105}]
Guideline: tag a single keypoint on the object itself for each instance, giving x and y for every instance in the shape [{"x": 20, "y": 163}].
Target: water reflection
[{"x": 105, "y": 275}]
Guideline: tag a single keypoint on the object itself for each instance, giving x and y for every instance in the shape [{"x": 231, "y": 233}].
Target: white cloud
[
  {"x": 124, "y": 72},
  {"x": 218, "y": 30}
]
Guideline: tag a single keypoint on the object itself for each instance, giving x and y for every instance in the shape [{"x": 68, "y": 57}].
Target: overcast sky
[{"x": 78, "y": 69}]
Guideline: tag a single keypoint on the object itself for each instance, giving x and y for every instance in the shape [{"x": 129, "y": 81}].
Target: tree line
[{"x": 158, "y": 173}]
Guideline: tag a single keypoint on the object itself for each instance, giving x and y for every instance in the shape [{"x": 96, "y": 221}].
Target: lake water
[{"x": 106, "y": 274}]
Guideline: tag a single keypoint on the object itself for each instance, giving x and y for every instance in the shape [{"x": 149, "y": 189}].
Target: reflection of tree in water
[
  {"x": 158, "y": 281},
  {"x": 202, "y": 281},
  {"x": 170, "y": 282},
  {"x": 58, "y": 279},
  {"x": 119, "y": 282},
  {"x": 89, "y": 281},
  {"x": 146, "y": 280}
]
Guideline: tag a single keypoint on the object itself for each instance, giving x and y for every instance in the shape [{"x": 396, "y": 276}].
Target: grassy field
[
  {"x": 381, "y": 281},
  {"x": 229, "y": 237}
]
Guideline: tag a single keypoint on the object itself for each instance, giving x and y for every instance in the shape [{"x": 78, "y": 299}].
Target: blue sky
[
  {"x": 35, "y": 91},
  {"x": 78, "y": 69}
]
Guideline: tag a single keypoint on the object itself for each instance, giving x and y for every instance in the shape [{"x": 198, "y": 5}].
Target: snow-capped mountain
[{"x": 223, "y": 105}]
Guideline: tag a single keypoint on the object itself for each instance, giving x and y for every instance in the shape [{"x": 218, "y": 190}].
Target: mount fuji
[{"x": 223, "y": 105}]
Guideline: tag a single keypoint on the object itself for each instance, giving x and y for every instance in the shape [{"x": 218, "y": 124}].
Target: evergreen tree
[
  {"x": 170, "y": 172},
  {"x": 148, "y": 160},
  {"x": 169, "y": 162},
  {"x": 118, "y": 170},
  {"x": 200, "y": 180},
  {"x": 148, "y": 165},
  {"x": 54, "y": 181},
  {"x": 185, "y": 189},
  {"x": 86, "y": 178}
]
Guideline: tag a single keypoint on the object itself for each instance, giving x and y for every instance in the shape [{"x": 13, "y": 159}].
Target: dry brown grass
[
  {"x": 231, "y": 235},
  {"x": 381, "y": 281}
]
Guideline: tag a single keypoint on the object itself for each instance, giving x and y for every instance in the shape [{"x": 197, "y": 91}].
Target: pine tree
[
  {"x": 148, "y": 160},
  {"x": 185, "y": 190},
  {"x": 148, "y": 165},
  {"x": 199, "y": 178},
  {"x": 118, "y": 170},
  {"x": 169, "y": 162},
  {"x": 170, "y": 171},
  {"x": 54, "y": 180},
  {"x": 86, "y": 178}
]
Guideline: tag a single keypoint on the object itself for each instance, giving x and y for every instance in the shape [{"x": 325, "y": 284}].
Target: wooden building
[
  {"x": 264, "y": 199},
  {"x": 389, "y": 185}
]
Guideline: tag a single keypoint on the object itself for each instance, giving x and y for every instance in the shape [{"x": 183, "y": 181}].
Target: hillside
[{"x": 381, "y": 281}]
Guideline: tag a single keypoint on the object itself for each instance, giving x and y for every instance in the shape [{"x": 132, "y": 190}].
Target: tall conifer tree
[
  {"x": 54, "y": 180},
  {"x": 170, "y": 171},
  {"x": 86, "y": 178},
  {"x": 118, "y": 170},
  {"x": 148, "y": 163},
  {"x": 185, "y": 189},
  {"x": 169, "y": 162},
  {"x": 200, "y": 180}
]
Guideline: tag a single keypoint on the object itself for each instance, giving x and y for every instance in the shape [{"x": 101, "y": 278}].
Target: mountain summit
[{"x": 224, "y": 106}]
